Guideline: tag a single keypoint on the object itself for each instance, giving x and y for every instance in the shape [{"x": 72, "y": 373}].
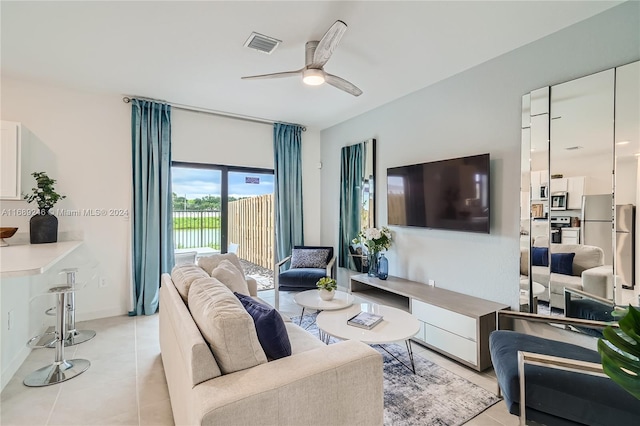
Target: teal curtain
[
  {"x": 152, "y": 214},
  {"x": 351, "y": 179},
  {"x": 287, "y": 150}
]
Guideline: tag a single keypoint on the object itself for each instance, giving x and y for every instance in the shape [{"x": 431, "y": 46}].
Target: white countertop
[{"x": 33, "y": 259}]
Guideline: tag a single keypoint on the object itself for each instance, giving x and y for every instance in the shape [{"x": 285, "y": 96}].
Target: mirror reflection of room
[
  {"x": 357, "y": 201},
  {"x": 579, "y": 192}
]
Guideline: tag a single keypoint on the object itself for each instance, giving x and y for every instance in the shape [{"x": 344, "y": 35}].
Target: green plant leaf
[{"x": 620, "y": 352}]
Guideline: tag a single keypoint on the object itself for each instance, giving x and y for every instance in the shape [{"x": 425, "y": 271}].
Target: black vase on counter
[{"x": 43, "y": 228}]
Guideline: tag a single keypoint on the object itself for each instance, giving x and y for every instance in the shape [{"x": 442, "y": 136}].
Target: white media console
[{"x": 454, "y": 324}]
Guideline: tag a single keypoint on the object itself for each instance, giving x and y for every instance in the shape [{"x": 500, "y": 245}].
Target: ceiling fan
[{"x": 317, "y": 53}]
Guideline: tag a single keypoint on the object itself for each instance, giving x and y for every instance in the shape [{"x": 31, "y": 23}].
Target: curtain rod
[{"x": 127, "y": 99}]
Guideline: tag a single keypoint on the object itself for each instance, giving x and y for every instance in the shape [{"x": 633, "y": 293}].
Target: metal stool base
[
  {"x": 57, "y": 372},
  {"x": 77, "y": 337}
]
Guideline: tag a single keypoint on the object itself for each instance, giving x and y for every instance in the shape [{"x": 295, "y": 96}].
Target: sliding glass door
[
  {"x": 250, "y": 223},
  {"x": 226, "y": 209},
  {"x": 197, "y": 213}
]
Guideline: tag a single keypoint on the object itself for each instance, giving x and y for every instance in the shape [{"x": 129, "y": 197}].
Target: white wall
[
  {"x": 83, "y": 140},
  {"x": 205, "y": 138},
  {"x": 311, "y": 171},
  {"x": 627, "y": 180},
  {"x": 476, "y": 111}
]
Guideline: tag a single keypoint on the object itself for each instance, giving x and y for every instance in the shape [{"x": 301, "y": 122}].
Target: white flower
[{"x": 375, "y": 234}]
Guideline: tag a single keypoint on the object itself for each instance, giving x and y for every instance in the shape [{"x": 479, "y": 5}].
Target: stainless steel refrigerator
[
  {"x": 625, "y": 244},
  {"x": 596, "y": 230}
]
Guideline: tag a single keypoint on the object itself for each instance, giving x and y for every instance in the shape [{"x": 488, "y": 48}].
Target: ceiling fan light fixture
[{"x": 313, "y": 77}]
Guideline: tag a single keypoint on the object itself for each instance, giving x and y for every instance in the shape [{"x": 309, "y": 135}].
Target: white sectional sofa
[
  {"x": 588, "y": 275},
  {"x": 339, "y": 384}
]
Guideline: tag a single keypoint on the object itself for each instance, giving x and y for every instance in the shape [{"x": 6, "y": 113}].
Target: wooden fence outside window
[{"x": 251, "y": 226}]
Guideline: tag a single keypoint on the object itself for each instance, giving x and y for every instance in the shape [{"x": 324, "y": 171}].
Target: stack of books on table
[{"x": 365, "y": 320}]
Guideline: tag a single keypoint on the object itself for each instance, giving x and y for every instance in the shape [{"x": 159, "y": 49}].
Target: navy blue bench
[{"x": 556, "y": 397}]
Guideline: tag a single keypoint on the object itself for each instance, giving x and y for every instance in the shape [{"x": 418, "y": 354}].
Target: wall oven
[{"x": 558, "y": 201}]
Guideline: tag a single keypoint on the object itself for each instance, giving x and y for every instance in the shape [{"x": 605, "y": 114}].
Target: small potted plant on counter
[
  {"x": 43, "y": 227},
  {"x": 327, "y": 287}
]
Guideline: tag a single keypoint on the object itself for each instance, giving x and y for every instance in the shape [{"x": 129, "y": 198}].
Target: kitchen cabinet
[
  {"x": 12, "y": 156},
  {"x": 558, "y": 185},
  {"x": 539, "y": 179},
  {"x": 573, "y": 186},
  {"x": 575, "y": 189}
]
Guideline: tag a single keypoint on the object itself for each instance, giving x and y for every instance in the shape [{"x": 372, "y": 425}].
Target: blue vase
[{"x": 383, "y": 267}]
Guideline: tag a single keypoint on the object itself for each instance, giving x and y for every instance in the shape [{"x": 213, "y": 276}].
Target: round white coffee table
[
  {"x": 311, "y": 299},
  {"x": 538, "y": 289},
  {"x": 396, "y": 326}
]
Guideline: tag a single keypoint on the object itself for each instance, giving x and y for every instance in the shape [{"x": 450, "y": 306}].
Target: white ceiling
[{"x": 192, "y": 52}]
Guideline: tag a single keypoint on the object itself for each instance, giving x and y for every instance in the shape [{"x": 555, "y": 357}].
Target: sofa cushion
[
  {"x": 209, "y": 263},
  {"x": 270, "y": 327},
  {"x": 184, "y": 275},
  {"x": 562, "y": 263},
  {"x": 561, "y": 281},
  {"x": 550, "y": 392},
  {"x": 301, "y": 340},
  {"x": 539, "y": 256},
  {"x": 309, "y": 257},
  {"x": 229, "y": 275},
  {"x": 524, "y": 261},
  {"x": 301, "y": 278},
  {"x": 226, "y": 326}
]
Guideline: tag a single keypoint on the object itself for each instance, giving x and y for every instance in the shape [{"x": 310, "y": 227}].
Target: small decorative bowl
[{"x": 6, "y": 232}]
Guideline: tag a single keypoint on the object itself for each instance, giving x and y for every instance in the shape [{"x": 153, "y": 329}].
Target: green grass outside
[
  {"x": 212, "y": 245},
  {"x": 196, "y": 222}
]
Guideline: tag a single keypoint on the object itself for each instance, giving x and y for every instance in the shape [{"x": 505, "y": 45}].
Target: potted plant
[
  {"x": 43, "y": 227},
  {"x": 327, "y": 287}
]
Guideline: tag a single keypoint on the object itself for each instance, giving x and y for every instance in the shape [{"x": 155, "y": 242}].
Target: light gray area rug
[{"x": 432, "y": 396}]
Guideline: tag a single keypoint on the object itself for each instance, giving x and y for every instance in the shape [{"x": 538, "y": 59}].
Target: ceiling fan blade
[
  {"x": 274, "y": 75},
  {"x": 328, "y": 44},
  {"x": 342, "y": 84}
]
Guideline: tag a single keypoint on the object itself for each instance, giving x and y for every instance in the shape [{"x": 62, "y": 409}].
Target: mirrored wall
[
  {"x": 579, "y": 191},
  {"x": 357, "y": 201}
]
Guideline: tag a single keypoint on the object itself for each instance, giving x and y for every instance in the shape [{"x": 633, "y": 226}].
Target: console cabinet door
[{"x": 10, "y": 161}]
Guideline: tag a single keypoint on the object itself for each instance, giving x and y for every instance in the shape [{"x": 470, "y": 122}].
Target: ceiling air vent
[{"x": 262, "y": 43}]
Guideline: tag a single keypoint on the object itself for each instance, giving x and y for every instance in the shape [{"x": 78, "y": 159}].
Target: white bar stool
[{"x": 61, "y": 369}]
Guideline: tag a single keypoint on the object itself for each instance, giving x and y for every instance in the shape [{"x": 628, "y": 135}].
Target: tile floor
[{"x": 125, "y": 384}]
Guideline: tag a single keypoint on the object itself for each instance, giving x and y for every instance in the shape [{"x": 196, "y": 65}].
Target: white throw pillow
[
  {"x": 209, "y": 263},
  {"x": 229, "y": 275},
  {"x": 226, "y": 326},
  {"x": 184, "y": 275}
]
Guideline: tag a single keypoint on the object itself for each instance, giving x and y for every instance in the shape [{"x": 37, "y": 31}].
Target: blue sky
[{"x": 196, "y": 183}]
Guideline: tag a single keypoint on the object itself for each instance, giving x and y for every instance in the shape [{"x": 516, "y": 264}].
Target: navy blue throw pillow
[
  {"x": 562, "y": 263},
  {"x": 539, "y": 256},
  {"x": 270, "y": 327}
]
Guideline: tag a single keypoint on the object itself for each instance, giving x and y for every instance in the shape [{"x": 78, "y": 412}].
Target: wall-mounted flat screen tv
[{"x": 449, "y": 194}]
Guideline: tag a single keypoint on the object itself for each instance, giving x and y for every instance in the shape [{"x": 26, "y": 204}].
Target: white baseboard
[
  {"x": 9, "y": 370},
  {"x": 104, "y": 313}
]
